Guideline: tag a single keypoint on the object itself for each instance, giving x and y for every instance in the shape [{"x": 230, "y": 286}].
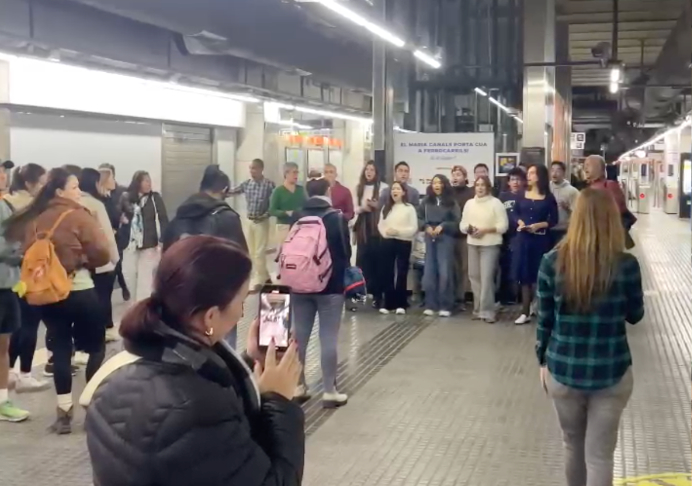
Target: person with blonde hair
[{"x": 588, "y": 289}]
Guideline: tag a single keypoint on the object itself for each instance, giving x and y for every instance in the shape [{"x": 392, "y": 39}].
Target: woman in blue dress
[{"x": 536, "y": 212}]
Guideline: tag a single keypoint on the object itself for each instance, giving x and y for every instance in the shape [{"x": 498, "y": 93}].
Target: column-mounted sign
[{"x": 577, "y": 140}]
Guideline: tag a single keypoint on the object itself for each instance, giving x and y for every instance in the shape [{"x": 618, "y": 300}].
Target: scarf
[
  {"x": 137, "y": 223},
  {"x": 365, "y": 226}
]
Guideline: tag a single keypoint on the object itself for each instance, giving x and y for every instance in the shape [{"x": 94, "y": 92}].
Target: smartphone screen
[{"x": 274, "y": 316}]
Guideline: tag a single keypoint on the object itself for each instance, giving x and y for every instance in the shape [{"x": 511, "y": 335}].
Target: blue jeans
[{"x": 438, "y": 279}]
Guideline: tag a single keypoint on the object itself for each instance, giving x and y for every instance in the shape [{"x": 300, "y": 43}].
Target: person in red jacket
[
  {"x": 595, "y": 172},
  {"x": 341, "y": 196}
]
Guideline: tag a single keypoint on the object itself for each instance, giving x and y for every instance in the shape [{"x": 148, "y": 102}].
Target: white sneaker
[
  {"x": 384, "y": 311},
  {"x": 428, "y": 312},
  {"x": 112, "y": 335},
  {"x": 28, "y": 384},
  {"x": 523, "y": 319},
  {"x": 445, "y": 313},
  {"x": 334, "y": 400},
  {"x": 80, "y": 358},
  {"x": 401, "y": 311}
]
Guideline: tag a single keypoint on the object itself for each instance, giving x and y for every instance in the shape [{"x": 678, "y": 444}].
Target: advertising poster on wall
[
  {"x": 436, "y": 153},
  {"x": 504, "y": 163}
]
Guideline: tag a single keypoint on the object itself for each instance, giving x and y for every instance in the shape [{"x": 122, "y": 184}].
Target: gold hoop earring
[{"x": 209, "y": 332}]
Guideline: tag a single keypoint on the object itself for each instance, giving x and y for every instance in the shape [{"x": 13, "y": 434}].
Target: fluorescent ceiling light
[
  {"x": 686, "y": 124},
  {"x": 291, "y": 123},
  {"x": 614, "y": 87},
  {"x": 358, "y": 19},
  {"x": 403, "y": 130},
  {"x": 480, "y": 92},
  {"x": 427, "y": 59},
  {"x": 324, "y": 113},
  {"x": 518, "y": 119},
  {"x": 495, "y": 102},
  {"x": 615, "y": 75}
]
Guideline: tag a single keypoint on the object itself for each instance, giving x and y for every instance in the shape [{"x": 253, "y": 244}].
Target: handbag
[{"x": 354, "y": 280}]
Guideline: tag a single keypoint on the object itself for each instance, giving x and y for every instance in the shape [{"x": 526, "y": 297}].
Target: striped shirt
[
  {"x": 588, "y": 351},
  {"x": 257, "y": 196}
]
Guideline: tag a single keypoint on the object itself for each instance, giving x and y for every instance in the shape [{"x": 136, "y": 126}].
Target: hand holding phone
[{"x": 274, "y": 317}]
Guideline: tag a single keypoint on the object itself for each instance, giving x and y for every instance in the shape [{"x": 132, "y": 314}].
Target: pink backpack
[{"x": 305, "y": 263}]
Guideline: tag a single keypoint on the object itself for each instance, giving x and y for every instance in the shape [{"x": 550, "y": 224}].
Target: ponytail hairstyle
[
  {"x": 188, "y": 282},
  {"x": 26, "y": 177}
]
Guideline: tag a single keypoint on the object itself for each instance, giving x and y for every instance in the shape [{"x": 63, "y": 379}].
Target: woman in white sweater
[
  {"x": 398, "y": 225},
  {"x": 484, "y": 220}
]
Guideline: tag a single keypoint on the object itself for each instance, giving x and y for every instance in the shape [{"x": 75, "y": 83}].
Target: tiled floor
[{"x": 453, "y": 402}]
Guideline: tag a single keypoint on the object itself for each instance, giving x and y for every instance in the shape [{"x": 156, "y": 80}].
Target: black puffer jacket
[{"x": 187, "y": 415}]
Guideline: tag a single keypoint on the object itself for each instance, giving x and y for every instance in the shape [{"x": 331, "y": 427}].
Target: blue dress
[{"x": 529, "y": 248}]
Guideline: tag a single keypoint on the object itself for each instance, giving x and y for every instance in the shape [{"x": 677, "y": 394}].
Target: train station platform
[{"x": 439, "y": 402}]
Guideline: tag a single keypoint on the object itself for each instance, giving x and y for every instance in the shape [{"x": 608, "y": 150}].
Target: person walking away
[
  {"x": 439, "y": 217},
  {"x": 398, "y": 226},
  {"x": 402, "y": 175},
  {"x": 516, "y": 184},
  {"x": 462, "y": 194},
  {"x": 70, "y": 306},
  {"x": 340, "y": 194},
  {"x": 285, "y": 201},
  {"x": 94, "y": 199},
  {"x": 208, "y": 213},
  {"x": 179, "y": 381},
  {"x": 595, "y": 174},
  {"x": 588, "y": 289},
  {"x": 146, "y": 215},
  {"x": 328, "y": 303},
  {"x": 10, "y": 259},
  {"x": 27, "y": 181},
  {"x": 258, "y": 190},
  {"x": 536, "y": 213},
  {"x": 484, "y": 221},
  {"x": 120, "y": 224},
  {"x": 368, "y": 239},
  {"x": 566, "y": 197}
]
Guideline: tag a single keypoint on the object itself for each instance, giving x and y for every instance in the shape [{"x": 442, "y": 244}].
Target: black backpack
[{"x": 182, "y": 228}]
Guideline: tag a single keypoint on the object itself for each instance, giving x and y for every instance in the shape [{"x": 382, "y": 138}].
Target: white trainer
[
  {"x": 29, "y": 384},
  {"x": 429, "y": 312},
  {"x": 384, "y": 312},
  {"x": 80, "y": 358},
  {"x": 401, "y": 311},
  {"x": 523, "y": 319},
  {"x": 334, "y": 400},
  {"x": 445, "y": 313}
]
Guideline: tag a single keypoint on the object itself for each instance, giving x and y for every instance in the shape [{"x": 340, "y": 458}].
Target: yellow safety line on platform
[{"x": 671, "y": 479}]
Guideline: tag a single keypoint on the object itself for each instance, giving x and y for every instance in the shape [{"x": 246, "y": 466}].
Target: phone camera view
[{"x": 275, "y": 319}]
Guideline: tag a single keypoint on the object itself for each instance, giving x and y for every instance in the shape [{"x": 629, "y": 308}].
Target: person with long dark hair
[
  {"x": 180, "y": 406},
  {"x": 147, "y": 217},
  {"x": 439, "y": 217},
  {"x": 368, "y": 239},
  {"x": 27, "y": 181},
  {"x": 536, "y": 212},
  {"x": 80, "y": 247},
  {"x": 94, "y": 198},
  {"x": 398, "y": 225},
  {"x": 589, "y": 288}
]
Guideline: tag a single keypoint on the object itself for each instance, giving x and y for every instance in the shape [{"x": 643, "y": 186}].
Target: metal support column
[{"x": 382, "y": 101}]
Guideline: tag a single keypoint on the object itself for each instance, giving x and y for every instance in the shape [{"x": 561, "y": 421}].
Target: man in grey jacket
[
  {"x": 10, "y": 259},
  {"x": 566, "y": 196}
]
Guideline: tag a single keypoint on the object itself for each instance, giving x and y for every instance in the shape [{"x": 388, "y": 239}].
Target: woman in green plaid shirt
[{"x": 589, "y": 288}]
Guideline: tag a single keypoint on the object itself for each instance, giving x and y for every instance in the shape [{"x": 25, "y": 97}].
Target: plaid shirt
[
  {"x": 257, "y": 196},
  {"x": 588, "y": 351}
]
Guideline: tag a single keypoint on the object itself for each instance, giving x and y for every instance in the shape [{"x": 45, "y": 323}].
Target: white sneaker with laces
[
  {"x": 112, "y": 335},
  {"x": 523, "y": 319},
  {"x": 334, "y": 400},
  {"x": 384, "y": 312},
  {"x": 28, "y": 384},
  {"x": 429, "y": 312},
  {"x": 445, "y": 313},
  {"x": 401, "y": 311}
]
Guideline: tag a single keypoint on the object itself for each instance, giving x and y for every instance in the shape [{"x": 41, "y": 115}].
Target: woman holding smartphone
[
  {"x": 536, "y": 212},
  {"x": 368, "y": 238},
  {"x": 398, "y": 225},
  {"x": 438, "y": 217},
  {"x": 484, "y": 221}
]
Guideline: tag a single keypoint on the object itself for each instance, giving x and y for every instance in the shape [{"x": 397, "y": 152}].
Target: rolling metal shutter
[{"x": 187, "y": 151}]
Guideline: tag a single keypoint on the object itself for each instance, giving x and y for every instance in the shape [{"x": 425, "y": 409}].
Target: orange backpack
[{"x": 46, "y": 280}]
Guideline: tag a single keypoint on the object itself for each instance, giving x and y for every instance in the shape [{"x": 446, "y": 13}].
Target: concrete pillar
[
  {"x": 563, "y": 92},
  {"x": 383, "y": 100},
  {"x": 539, "y": 82}
]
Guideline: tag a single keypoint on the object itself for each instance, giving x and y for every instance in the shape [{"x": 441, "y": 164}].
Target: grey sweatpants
[
  {"x": 329, "y": 309},
  {"x": 483, "y": 261},
  {"x": 590, "y": 421}
]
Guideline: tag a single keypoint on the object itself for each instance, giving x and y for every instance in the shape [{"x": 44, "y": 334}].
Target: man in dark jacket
[{"x": 207, "y": 212}]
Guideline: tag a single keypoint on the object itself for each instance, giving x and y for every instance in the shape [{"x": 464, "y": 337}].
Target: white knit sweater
[
  {"x": 403, "y": 219},
  {"x": 486, "y": 212}
]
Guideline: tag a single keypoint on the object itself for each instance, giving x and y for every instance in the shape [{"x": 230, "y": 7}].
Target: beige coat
[{"x": 98, "y": 209}]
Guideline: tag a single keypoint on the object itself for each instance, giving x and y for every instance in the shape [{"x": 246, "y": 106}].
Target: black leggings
[
  {"x": 368, "y": 256},
  {"x": 395, "y": 262},
  {"x": 23, "y": 342},
  {"x": 103, "y": 283},
  {"x": 78, "y": 319}
]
